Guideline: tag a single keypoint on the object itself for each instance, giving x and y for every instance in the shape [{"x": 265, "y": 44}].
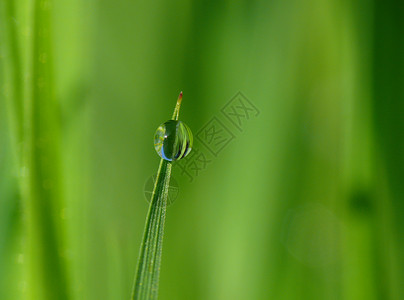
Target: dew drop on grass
[{"x": 173, "y": 140}]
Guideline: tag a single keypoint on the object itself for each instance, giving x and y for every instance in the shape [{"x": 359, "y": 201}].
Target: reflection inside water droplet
[{"x": 173, "y": 140}]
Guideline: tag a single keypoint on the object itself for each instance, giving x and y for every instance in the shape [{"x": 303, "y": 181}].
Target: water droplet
[{"x": 173, "y": 140}]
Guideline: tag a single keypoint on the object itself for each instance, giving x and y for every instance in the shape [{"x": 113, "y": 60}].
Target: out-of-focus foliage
[{"x": 305, "y": 201}]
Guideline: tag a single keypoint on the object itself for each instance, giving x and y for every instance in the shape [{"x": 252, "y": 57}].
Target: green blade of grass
[
  {"x": 33, "y": 114},
  {"x": 13, "y": 80},
  {"x": 148, "y": 268},
  {"x": 42, "y": 191}
]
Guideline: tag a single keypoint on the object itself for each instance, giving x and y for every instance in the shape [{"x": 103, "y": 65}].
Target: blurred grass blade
[
  {"x": 33, "y": 112},
  {"x": 41, "y": 167},
  {"x": 148, "y": 269},
  {"x": 13, "y": 81}
]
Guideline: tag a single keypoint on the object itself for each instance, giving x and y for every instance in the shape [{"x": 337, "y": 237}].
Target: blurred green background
[{"x": 306, "y": 202}]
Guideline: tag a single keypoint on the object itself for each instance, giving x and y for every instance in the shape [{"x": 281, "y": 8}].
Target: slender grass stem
[
  {"x": 33, "y": 113},
  {"x": 14, "y": 73},
  {"x": 148, "y": 268},
  {"x": 41, "y": 161}
]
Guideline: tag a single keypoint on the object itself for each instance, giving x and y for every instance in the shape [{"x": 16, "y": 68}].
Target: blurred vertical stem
[
  {"x": 41, "y": 160},
  {"x": 11, "y": 90},
  {"x": 13, "y": 80},
  {"x": 148, "y": 269}
]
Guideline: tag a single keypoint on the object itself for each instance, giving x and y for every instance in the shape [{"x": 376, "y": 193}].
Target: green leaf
[
  {"x": 42, "y": 191},
  {"x": 148, "y": 268}
]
